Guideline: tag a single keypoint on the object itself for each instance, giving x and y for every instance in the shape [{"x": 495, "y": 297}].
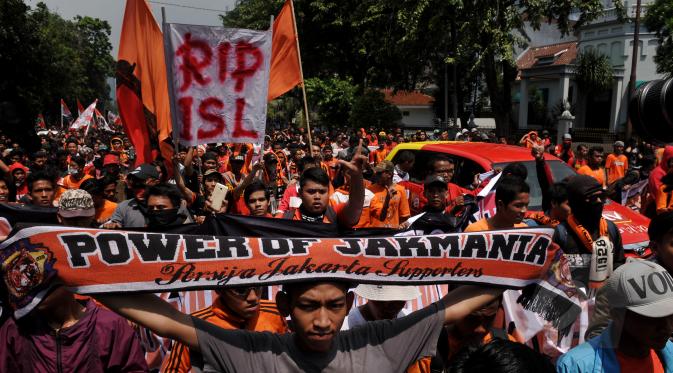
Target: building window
[{"x": 616, "y": 54}]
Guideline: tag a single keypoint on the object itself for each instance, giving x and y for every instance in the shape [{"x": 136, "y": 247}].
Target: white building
[
  {"x": 549, "y": 69},
  {"x": 415, "y": 106}
]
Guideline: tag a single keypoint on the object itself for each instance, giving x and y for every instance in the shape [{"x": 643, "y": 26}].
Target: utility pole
[
  {"x": 454, "y": 70},
  {"x": 634, "y": 66}
]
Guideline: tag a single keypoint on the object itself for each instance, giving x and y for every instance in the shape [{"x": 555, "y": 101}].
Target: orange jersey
[
  {"x": 664, "y": 201},
  {"x": 483, "y": 225},
  {"x": 599, "y": 174},
  {"x": 616, "y": 165},
  {"x": 104, "y": 212},
  {"x": 398, "y": 206},
  {"x": 70, "y": 183},
  {"x": 268, "y": 320}
]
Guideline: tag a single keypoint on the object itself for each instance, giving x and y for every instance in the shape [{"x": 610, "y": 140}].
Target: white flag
[
  {"x": 84, "y": 120},
  {"x": 220, "y": 82}
]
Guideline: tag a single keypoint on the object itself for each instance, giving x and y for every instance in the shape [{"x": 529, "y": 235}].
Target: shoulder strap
[
  {"x": 562, "y": 235},
  {"x": 499, "y": 333},
  {"x": 330, "y": 214},
  {"x": 612, "y": 231},
  {"x": 289, "y": 214}
]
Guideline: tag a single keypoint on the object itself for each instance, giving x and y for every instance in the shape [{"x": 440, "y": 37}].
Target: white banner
[
  {"x": 84, "y": 120},
  {"x": 220, "y": 79}
]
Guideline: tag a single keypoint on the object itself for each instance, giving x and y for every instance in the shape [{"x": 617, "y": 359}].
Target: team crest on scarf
[{"x": 26, "y": 266}]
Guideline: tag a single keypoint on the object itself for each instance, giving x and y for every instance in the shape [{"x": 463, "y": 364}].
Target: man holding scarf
[{"x": 591, "y": 243}]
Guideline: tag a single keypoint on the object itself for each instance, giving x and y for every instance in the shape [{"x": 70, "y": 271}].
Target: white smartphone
[{"x": 218, "y": 196}]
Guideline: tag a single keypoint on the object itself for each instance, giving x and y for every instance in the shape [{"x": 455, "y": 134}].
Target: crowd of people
[{"x": 347, "y": 179}]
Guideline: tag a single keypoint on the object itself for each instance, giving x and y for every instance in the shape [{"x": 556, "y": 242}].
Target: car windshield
[{"x": 559, "y": 171}]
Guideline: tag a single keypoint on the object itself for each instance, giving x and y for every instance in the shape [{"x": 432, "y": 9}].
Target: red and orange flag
[
  {"x": 142, "y": 90},
  {"x": 285, "y": 69}
]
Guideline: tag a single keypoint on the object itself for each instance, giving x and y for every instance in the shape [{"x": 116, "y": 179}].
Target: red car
[{"x": 474, "y": 157}]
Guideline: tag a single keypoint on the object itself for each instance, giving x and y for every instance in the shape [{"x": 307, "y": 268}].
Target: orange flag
[
  {"x": 285, "y": 70},
  {"x": 142, "y": 90}
]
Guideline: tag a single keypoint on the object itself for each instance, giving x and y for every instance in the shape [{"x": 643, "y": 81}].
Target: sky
[{"x": 181, "y": 11}]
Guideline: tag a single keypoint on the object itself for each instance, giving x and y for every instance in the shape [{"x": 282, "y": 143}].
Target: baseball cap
[
  {"x": 434, "y": 179},
  {"x": 213, "y": 172},
  {"x": 387, "y": 293},
  {"x": 384, "y": 166},
  {"x": 567, "y": 137},
  {"x": 619, "y": 143},
  {"x": 76, "y": 203},
  {"x": 110, "y": 159},
  {"x": 641, "y": 286},
  {"x": 145, "y": 171}
]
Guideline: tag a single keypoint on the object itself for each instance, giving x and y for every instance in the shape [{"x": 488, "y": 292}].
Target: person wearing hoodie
[
  {"x": 67, "y": 334},
  {"x": 654, "y": 183},
  {"x": 19, "y": 173}
]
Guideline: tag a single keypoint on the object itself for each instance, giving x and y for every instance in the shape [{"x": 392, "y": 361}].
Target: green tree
[
  {"x": 593, "y": 72},
  {"x": 332, "y": 99},
  {"x": 45, "y": 58},
  {"x": 371, "y": 109},
  {"x": 659, "y": 18},
  {"x": 406, "y": 44}
]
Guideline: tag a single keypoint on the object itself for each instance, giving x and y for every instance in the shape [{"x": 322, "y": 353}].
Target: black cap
[
  {"x": 435, "y": 180},
  {"x": 660, "y": 225},
  {"x": 145, "y": 171}
]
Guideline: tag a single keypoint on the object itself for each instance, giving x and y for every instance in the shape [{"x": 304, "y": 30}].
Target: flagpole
[
  {"x": 61, "y": 104},
  {"x": 301, "y": 74},
  {"x": 169, "y": 71}
]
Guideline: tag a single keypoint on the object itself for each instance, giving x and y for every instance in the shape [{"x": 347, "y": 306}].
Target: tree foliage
[
  {"x": 593, "y": 72},
  {"x": 659, "y": 18},
  {"x": 406, "y": 44},
  {"x": 45, "y": 58},
  {"x": 332, "y": 99},
  {"x": 371, "y": 109}
]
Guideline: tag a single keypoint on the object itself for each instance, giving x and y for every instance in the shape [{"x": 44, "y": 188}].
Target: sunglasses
[{"x": 244, "y": 292}]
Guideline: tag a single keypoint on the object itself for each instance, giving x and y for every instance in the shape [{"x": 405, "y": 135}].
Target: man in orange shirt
[
  {"x": 315, "y": 204},
  {"x": 389, "y": 208},
  {"x": 234, "y": 308},
  {"x": 616, "y": 163},
  {"x": 594, "y": 168},
  {"x": 96, "y": 188},
  {"x": 512, "y": 196},
  {"x": 76, "y": 173}
]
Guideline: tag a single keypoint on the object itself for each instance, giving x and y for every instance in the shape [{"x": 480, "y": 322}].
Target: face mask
[
  {"x": 589, "y": 214},
  {"x": 162, "y": 217},
  {"x": 72, "y": 171}
]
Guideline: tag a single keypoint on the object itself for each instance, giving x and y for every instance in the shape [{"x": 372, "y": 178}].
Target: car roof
[{"x": 486, "y": 154}]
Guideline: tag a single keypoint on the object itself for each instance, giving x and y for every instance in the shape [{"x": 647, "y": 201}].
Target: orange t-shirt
[
  {"x": 70, "y": 183},
  {"x": 596, "y": 174},
  {"x": 616, "y": 165},
  {"x": 105, "y": 212},
  {"x": 664, "y": 201},
  {"x": 483, "y": 225},
  {"x": 268, "y": 320},
  {"x": 648, "y": 364},
  {"x": 398, "y": 207}
]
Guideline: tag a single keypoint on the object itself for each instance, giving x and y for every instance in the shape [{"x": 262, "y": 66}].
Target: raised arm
[
  {"x": 155, "y": 314},
  {"x": 466, "y": 299},
  {"x": 353, "y": 209}
]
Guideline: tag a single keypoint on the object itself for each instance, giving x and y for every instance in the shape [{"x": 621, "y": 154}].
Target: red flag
[
  {"x": 40, "y": 121},
  {"x": 65, "y": 111},
  {"x": 285, "y": 69},
  {"x": 80, "y": 108},
  {"x": 141, "y": 67}
]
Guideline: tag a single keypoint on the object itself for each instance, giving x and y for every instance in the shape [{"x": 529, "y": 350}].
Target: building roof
[
  {"x": 407, "y": 98},
  {"x": 548, "y": 55}
]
